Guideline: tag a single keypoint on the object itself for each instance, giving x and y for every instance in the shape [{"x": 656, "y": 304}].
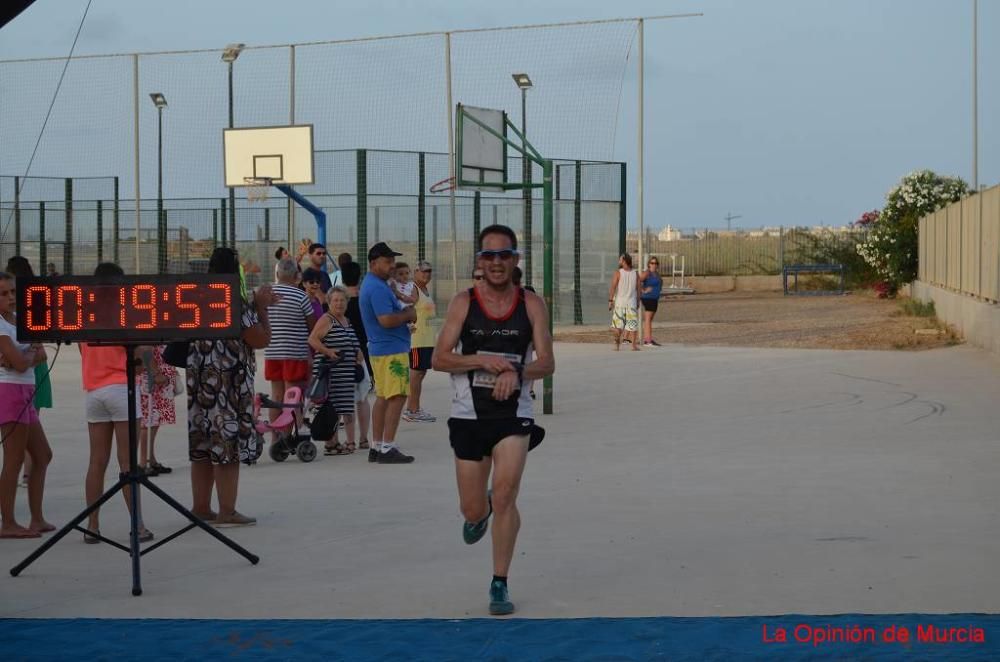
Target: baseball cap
[{"x": 381, "y": 249}]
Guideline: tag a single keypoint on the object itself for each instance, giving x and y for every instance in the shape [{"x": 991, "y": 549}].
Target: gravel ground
[{"x": 770, "y": 319}]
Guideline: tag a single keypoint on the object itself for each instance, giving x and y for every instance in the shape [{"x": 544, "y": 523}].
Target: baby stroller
[
  {"x": 312, "y": 412},
  {"x": 289, "y": 441}
]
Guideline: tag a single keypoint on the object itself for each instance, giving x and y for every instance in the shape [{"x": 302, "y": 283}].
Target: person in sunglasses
[{"x": 488, "y": 336}]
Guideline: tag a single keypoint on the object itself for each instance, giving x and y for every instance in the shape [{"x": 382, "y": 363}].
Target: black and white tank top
[{"x": 509, "y": 336}]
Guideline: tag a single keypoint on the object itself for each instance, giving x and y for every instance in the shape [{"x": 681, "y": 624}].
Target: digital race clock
[{"x": 128, "y": 308}]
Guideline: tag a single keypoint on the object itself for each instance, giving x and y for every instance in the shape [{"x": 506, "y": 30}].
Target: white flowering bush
[{"x": 891, "y": 245}]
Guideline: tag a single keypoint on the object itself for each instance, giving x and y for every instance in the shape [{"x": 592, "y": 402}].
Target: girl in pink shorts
[{"x": 21, "y": 430}]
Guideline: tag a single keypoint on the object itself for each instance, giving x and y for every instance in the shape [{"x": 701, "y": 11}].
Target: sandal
[
  {"x": 364, "y": 444},
  {"x": 159, "y": 468},
  {"x": 349, "y": 448},
  {"x": 92, "y": 538},
  {"x": 337, "y": 449}
]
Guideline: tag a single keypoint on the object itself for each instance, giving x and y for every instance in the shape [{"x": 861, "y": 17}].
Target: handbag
[
  {"x": 319, "y": 389},
  {"x": 359, "y": 373},
  {"x": 324, "y": 422},
  {"x": 176, "y": 353}
]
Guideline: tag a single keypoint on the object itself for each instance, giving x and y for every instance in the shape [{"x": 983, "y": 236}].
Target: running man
[{"x": 489, "y": 332}]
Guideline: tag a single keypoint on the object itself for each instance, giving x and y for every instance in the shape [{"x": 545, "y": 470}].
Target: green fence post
[
  {"x": 548, "y": 270},
  {"x": 17, "y": 218},
  {"x": 43, "y": 255},
  {"x": 100, "y": 232},
  {"x": 362, "y": 202},
  {"x": 577, "y": 248},
  {"x": 114, "y": 221},
  {"x": 222, "y": 202},
  {"x": 477, "y": 216},
  {"x": 526, "y": 200},
  {"x": 215, "y": 229},
  {"x": 68, "y": 244},
  {"x": 421, "y": 208},
  {"x": 267, "y": 224}
]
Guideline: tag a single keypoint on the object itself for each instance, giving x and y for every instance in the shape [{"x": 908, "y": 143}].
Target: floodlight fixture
[
  {"x": 522, "y": 80},
  {"x": 159, "y": 100},
  {"x": 231, "y": 52}
]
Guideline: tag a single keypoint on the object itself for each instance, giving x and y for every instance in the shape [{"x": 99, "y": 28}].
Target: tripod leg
[
  {"x": 170, "y": 501},
  {"x": 133, "y": 482},
  {"x": 16, "y": 570}
]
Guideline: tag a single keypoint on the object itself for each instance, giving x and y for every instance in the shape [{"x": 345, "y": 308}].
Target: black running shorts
[
  {"x": 473, "y": 439},
  {"x": 650, "y": 305},
  {"x": 420, "y": 358}
]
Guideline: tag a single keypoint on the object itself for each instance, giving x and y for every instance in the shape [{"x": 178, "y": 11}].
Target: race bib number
[{"x": 485, "y": 378}]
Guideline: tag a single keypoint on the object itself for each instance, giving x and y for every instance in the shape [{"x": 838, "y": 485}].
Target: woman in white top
[
  {"x": 22, "y": 432},
  {"x": 623, "y": 302}
]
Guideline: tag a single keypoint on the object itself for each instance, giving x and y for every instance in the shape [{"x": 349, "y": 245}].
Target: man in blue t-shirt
[{"x": 386, "y": 321}]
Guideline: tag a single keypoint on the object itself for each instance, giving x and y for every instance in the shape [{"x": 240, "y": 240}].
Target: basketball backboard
[
  {"x": 282, "y": 154},
  {"x": 480, "y": 156}
]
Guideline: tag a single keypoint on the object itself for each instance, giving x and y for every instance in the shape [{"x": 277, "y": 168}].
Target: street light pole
[
  {"x": 161, "y": 220},
  {"x": 975, "y": 95},
  {"x": 229, "y": 55},
  {"x": 232, "y": 191},
  {"x": 524, "y": 83}
]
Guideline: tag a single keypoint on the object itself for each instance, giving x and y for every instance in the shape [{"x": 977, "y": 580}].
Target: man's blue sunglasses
[{"x": 503, "y": 254}]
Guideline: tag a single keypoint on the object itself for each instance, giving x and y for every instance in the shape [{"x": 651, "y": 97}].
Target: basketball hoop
[
  {"x": 257, "y": 188},
  {"x": 446, "y": 184}
]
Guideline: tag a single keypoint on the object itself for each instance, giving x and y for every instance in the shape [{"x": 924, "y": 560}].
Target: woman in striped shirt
[{"x": 333, "y": 339}]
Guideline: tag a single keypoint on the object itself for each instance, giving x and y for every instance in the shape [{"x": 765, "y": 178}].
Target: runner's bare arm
[
  {"x": 445, "y": 358},
  {"x": 545, "y": 361}
]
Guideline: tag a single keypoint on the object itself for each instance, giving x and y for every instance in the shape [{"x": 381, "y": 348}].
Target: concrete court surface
[{"x": 682, "y": 481}]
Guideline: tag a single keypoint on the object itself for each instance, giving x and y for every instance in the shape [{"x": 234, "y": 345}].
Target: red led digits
[
  {"x": 187, "y": 305},
  {"x": 148, "y": 306},
  {"x": 61, "y": 305},
  {"x": 121, "y": 300},
  {"x": 29, "y": 297},
  {"x": 226, "y": 305}
]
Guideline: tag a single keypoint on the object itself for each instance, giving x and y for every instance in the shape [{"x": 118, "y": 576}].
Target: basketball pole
[{"x": 317, "y": 213}]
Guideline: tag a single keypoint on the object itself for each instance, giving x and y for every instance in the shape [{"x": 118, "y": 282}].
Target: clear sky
[{"x": 782, "y": 111}]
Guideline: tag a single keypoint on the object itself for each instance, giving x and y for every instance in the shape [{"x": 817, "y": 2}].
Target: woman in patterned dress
[
  {"x": 156, "y": 389},
  {"x": 333, "y": 339},
  {"x": 220, "y": 387}
]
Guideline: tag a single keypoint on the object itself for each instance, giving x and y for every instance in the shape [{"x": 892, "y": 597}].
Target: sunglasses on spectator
[{"x": 503, "y": 254}]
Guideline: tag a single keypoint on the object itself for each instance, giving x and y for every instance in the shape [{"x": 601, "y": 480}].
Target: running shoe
[
  {"x": 394, "y": 456},
  {"x": 655, "y": 344},
  {"x": 473, "y": 532},
  {"x": 410, "y": 416},
  {"x": 424, "y": 417},
  {"x": 373, "y": 455},
  {"x": 500, "y": 604}
]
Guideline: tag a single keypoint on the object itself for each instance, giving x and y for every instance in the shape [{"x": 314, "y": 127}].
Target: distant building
[{"x": 669, "y": 234}]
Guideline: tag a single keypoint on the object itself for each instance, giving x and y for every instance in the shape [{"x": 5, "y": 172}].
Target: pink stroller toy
[{"x": 289, "y": 441}]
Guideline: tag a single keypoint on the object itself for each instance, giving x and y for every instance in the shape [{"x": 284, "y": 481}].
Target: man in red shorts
[{"x": 286, "y": 359}]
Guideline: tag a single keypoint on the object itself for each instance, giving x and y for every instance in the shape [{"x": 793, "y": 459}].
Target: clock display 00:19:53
[{"x": 139, "y": 307}]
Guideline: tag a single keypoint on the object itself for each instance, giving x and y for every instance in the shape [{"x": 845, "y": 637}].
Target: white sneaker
[
  {"x": 410, "y": 416},
  {"x": 424, "y": 417}
]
